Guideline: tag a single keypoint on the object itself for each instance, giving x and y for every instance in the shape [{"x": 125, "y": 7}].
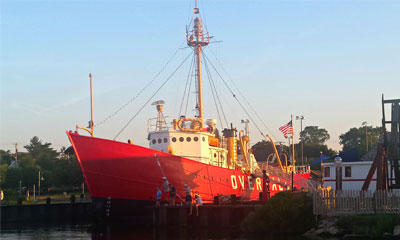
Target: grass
[
  {"x": 374, "y": 225},
  {"x": 12, "y": 198}
]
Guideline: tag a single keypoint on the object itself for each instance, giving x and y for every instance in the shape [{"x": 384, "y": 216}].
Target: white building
[{"x": 353, "y": 173}]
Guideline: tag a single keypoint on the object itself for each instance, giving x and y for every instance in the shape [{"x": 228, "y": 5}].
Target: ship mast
[{"x": 197, "y": 39}]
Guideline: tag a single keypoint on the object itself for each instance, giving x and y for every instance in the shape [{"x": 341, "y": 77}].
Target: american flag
[{"x": 286, "y": 129}]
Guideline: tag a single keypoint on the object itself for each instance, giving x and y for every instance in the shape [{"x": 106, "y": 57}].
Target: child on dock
[
  {"x": 158, "y": 197},
  {"x": 198, "y": 202}
]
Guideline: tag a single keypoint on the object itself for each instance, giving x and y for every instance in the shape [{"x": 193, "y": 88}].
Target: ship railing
[
  {"x": 152, "y": 124},
  {"x": 306, "y": 184}
]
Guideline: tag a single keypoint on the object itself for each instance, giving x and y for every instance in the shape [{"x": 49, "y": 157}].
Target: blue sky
[{"x": 329, "y": 61}]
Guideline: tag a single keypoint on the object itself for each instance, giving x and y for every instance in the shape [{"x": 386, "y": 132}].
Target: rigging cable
[
  {"x": 214, "y": 89},
  {"x": 162, "y": 85},
  {"x": 186, "y": 85},
  {"x": 240, "y": 93},
  {"x": 190, "y": 85},
  {"x": 234, "y": 96},
  {"x": 143, "y": 89},
  {"x": 213, "y": 94}
]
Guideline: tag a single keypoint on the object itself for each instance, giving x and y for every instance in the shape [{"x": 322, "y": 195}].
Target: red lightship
[{"x": 187, "y": 151}]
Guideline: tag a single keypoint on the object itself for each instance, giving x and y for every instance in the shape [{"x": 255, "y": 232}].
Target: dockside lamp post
[
  {"x": 366, "y": 133},
  {"x": 20, "y": 189},
  {"x": 338, "y": 163},
  {"x": 40, "y": 179}
]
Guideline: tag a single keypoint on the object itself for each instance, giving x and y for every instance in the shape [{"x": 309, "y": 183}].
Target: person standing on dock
[
  {"x": 172, "y": 195},
  {"x": 158, "y": 197},
  {"x": 188, "y": 198},
  {"x": 166, "y": 189}
]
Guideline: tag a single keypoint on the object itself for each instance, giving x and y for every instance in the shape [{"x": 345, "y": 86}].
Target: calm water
[{"x": 116, "y": 231}]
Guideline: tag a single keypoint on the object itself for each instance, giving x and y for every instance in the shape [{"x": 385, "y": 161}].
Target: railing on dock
[{"x": 331, "y": 202}]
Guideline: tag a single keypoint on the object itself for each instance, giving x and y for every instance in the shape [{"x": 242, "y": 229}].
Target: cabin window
[
  {"x": 204, "y": 139},
  {"x": 174, "y": 139},
  {"x": 165, "y": 140},
  {"x": 347, "y": 171},
  {"x": 188, "y": 139},
  {"x": 181, "y": 139},
  {"x": 215, "y": 155},
  {"x": 159, "y": 140},
  {"x": 154, "y": 141},
  {"x": 196, "y": 139},
  {"x": 327, "y": 171}
]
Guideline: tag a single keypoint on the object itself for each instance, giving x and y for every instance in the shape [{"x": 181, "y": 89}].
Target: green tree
[
  {"x": 356, "y": 138},
  {"x": 262, "y": 149},
  {"x": 314, "y": 135},
  {"x": 314, "y": 151},
  {"x": 66, "y": 171},
  {"x": 6, "y": 157},
  {"x": 42, "y": 154},
  {"x": 29, "y": 176},
  {"x": 3, "y": 173},
  {"x": 13, "y": 176}
]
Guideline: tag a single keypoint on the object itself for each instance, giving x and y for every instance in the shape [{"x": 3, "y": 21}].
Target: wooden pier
[
  {"x": 224, "y": 216},
  {"x": 57, "y": 212}
]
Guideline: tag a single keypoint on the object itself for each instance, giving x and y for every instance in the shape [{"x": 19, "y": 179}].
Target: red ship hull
[{"x": 125, "y": 171}]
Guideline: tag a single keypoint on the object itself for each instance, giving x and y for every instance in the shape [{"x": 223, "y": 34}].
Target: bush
[{"x": 284, "y": 213}]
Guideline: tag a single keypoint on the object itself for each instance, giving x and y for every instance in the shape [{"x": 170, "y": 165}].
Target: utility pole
[
  {"x": 39, "y": 188},
  {"x": 16, "y": 152},
  {"x": 301, "y": 118}
]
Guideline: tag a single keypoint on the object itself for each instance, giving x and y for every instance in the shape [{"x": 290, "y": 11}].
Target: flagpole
[
  {"x": 290, "y": 152},
  {"x": 294, "y": 161}
]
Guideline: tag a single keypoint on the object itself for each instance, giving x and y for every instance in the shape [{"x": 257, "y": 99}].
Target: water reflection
[{"x": 103, "y": 231}]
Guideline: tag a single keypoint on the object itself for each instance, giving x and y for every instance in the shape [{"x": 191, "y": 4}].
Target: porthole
[
  {"x": 165, "y": 140},
  {"x": 159, "y": 140},
  {"x": 204, "y": 139},
  {"x": 195, "y": 139},
  {"x": 154, "y": 141},
  {"x": 181, "y": 139},
  {"x": 174, "y": 139},
  {"x": 215, "y": 155},
  {"x": 188, "y": 139}
]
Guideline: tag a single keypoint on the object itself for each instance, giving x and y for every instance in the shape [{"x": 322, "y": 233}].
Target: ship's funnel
[{"x": 230, "y": 135}]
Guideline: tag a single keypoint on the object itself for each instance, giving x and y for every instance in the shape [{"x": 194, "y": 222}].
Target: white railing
[{"x": 330, "y": 202}]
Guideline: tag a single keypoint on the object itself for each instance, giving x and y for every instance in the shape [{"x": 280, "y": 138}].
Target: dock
[
  {"x": 210, "y": 216},
  {"x": 55, "y": 212},
  {"x": 216, "y": 216}
]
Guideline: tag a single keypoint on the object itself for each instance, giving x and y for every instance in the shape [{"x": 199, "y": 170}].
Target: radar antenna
[{"x": 161, "y": 123}]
